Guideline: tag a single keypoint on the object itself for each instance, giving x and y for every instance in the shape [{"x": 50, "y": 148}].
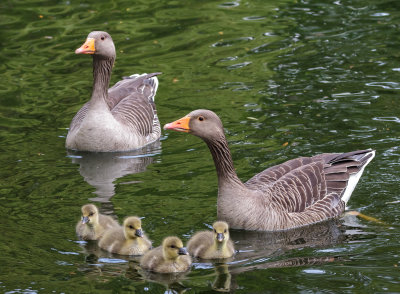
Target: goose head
[
  {"x": 132, "y": 227},
  {"x": 221, "y": 231},
  {"x": 90, "y": 214},
  {"x": 201, "y": 123},
  {"x": 173, "y": 247},
  {"x": 99, "y": 44}
]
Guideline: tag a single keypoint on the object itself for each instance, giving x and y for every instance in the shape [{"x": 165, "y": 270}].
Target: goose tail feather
[
  {"x": 364, "y": 157},
  {"x": 149, "y": 79}
]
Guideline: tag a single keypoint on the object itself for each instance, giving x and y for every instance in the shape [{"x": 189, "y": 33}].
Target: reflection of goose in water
[
  {"x": 257, "y": 244},
  {"x": 171, "y": 281},
  {"x": 100, "y": 170},
  {"x": 225, "y": 275}
]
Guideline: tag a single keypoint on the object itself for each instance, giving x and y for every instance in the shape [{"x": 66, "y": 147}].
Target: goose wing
[
  {"x": 322, "y": 181},
  {"x": 144, "y": 84},
  {"x": 78, "y": 118},
  {"x": 132, "y": 103},
  {"x": 128, "y": 91}
]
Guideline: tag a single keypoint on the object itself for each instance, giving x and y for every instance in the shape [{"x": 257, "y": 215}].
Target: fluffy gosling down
[
  {"x": 212, "y": 244},
  {"x": 170, "y": 257},
  {"x": 126, "y": 240},
  {"x": 93, "y": 224}
]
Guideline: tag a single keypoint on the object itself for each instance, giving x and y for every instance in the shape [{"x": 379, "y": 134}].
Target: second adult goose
[
  {"x": 296, "y": 193},
  {"x": 121, "y": 118}
]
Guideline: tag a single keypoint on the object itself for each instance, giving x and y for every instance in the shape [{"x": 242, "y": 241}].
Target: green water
[{"x": 288, "y": 78}]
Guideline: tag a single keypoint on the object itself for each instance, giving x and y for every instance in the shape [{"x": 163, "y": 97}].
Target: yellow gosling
[
  {"x": 93, "y": 224},
  {"x": 170, "y": 257},
  {"x": 126, "y": 240},
  {"x": 212, "y": 244}
]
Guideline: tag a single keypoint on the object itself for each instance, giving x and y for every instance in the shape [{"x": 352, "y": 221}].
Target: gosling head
[
  {"x": 98, "y": 43},
  {"x": 133, "y": 227},
  {"x": 221, "y": 231},
  {"x": 173, "y": 247},
  {"x": 90, "y": 214}
]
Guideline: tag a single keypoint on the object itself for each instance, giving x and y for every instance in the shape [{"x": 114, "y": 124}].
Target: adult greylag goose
[
  {"x": 126, "y": 240},
  {"x": 212, "y": 244},
  {"x": 296, "y": 193},
  {"x": 170, "y": 257},
  {"x": 93, "y": 224},
  {"x": 121, "y": 118}
]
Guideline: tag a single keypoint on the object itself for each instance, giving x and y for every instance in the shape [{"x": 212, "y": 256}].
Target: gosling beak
[
  {"x": 182, "y": 251},
  {"x": 220, "y": 237},
  {"x": 87, "y": 47},
  {"x": 85, "y": 219},
  {"x": 139, "y": 233},
  {"x": 180, "y": 125}
]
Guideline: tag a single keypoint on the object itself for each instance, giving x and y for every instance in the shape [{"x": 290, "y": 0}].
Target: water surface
[{"x": 288, "y": 79}]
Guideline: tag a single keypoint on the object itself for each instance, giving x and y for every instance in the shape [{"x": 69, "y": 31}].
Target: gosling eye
[
  {"x": 173, "y": 246},
  {"x": 102, "y": 38},
  {"x": 91, "y": 214},
  {"x": 200, "y": 118},
  {"x": 130, "y": 226},
  {"x": 215, "y": 230},
  {"x": 225, "y": 231}
]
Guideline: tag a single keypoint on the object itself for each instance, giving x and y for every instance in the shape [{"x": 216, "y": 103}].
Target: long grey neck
[
  {"x": 101, "y": 78},
  {"x": 223, "y": 161}
]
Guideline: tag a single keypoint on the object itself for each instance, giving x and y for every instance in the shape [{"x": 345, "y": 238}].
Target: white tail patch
[
  {"x": 354, "y": 178},
  {"x": 153, "y": 82}
]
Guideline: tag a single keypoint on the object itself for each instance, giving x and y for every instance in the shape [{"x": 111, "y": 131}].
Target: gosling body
[
  {"x": 170, "y": 257},
  {"x": 126, "y": 240},
  {"x": 93, "y": 224},
  {"x": 214, "y": 244}
]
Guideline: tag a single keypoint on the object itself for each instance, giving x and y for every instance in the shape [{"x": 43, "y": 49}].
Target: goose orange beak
[
  {"x": 180, "y": 125},
  {"x": 87, "y": 47}
]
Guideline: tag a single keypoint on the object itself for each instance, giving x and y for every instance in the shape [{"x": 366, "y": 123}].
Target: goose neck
[
  {"x": 223, "y": 161},
  {"x": 102, "y": 68}
]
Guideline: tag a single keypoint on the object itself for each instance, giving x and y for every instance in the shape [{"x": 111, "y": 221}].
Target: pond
[{"x": 288, "y": 79}]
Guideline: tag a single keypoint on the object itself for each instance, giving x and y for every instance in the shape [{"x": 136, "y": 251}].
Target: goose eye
[
  {"x": 225, "y": 231},
  {"x": 173, "y": 246},
  {"x": 91, "y": 214},
  {"x": 215, "y": 230},
  {"x": 103, "y": 38},
  {"x": 131, "y": 227},
  {"x": 200, "y": 118}
]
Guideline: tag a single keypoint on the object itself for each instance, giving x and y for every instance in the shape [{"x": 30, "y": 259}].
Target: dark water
[{"x": 288, "y": 78}]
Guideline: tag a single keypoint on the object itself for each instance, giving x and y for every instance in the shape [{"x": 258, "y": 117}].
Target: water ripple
[
  {"x": 388, "y": 118},
  {"x": 239, "y": 65},
  {"x": 252, "y": 18},
  {"x": 232, "y": 42},
  {"x": 112, "y": 260},
  {"x": 230, "y": 4},
  {"x": 385, "y": 85}
]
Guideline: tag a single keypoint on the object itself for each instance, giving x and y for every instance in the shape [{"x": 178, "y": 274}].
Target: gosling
[
  {"x": 170, "y": 257},
  {"x": 126, "y": 240},
  {"x": 93, "y": 224},
  {"x": 212, "y": 245}
]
